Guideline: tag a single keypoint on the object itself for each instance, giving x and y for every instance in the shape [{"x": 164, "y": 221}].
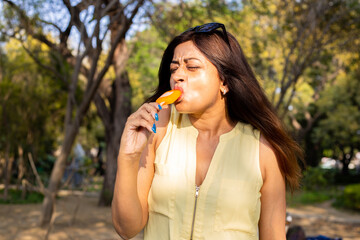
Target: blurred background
[{"x": 72, "y": 71}]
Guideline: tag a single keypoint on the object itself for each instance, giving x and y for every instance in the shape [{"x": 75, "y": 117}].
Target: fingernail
[
  {"x": 156, "y": 117},
  {"x": 154, "y": 128},
  {"x": 159, "y": 107}
]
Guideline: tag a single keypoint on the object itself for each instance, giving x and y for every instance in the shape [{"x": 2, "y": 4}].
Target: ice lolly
[{"x": 169, "y": 97}]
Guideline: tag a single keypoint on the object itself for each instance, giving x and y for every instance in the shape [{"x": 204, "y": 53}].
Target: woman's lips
[{"x": 182, "y": 93}]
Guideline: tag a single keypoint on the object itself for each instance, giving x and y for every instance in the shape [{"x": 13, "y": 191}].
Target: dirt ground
[
  {"x": 322, "y": 219},
  {"x": 20, "y": 222}
]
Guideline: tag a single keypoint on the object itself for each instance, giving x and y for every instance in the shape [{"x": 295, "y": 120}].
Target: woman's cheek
[{"x": 193, "y": 97}]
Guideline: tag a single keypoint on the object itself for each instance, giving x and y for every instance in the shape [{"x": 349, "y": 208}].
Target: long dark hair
[{"x": 246, "y": 101}]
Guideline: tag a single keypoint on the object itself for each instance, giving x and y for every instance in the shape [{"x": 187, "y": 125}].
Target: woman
[{"x": 213, "y": 165}]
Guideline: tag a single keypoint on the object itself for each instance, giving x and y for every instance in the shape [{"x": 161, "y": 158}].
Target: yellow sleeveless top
[{"x": 226, "y": 205}]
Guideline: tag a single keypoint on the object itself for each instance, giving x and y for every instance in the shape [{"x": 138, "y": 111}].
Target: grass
[
  {"x": 96, "y": 184},
  {"x": 14, "y": 197},
  {"x": 307, "y": 197},
  {"x": 89, "y": 184},
  {"x": 350, "y": 198}
]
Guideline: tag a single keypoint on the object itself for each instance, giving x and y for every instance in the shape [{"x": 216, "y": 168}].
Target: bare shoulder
[{"x": 267, "y": 158}]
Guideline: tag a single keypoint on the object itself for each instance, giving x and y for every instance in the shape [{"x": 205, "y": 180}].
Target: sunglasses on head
[{"x": 209, "y": 27}]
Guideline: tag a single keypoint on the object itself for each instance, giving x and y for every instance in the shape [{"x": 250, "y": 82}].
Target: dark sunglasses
[{"x": 209, "y": 27}]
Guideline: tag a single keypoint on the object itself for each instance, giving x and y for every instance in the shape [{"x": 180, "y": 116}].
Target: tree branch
[
  {"x": 75, "y": 17},
  {"x": 109, "y": 6},
  {"x": 103, "y": 113},
  {"x": 91, "y": 92},
  {"x": 38, "y": 179},
  {"x": 46, "y": 67},
  {"x": 286, "y": 106}
]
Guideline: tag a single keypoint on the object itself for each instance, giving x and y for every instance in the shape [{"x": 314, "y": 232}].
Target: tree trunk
[
  {"x": 2, "y": 167},
  {"x": 113, "y": 131},
  {"x": 7, "y": 171},
  {"x": 115, "y": 117},
  {"x": 346, "y": 161},
  {"x": 121, "y": 18},
  {"x": 56, "y": 175},
  {"x": 110, "y": 170},
  {"x": 8, "y": 176},
  {"x": 21, "y": 167},
  {"x": 345, "y": 170}
]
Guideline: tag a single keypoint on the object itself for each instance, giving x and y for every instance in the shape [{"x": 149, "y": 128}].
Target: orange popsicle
[{"x": 169, "y": 97}]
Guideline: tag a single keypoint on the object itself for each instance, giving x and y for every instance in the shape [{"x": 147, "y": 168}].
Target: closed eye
[
  {"x": 193, "y": 68},
  {"x": 172, "y": 70}
]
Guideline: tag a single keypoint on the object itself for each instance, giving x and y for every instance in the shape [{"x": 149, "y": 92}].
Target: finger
[
  {"x": 160, "y": 107},
  {"x": 149, "y": 126},
  {"x": 152, "y": 109},
  {"x": 149, "y": 113},
  {"x": 136, "y": 121},
  {"x": 139, "y": 124},
  {"x": 148, "y": 116}
]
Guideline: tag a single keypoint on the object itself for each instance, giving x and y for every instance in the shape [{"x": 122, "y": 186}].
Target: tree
[
  {"x": 30, "y": 106},
  {"x": 338, "y": 133},
  {"x": 293, "y": 47},
  {"x": 92, "y": 21},
  {"x": 166, "y": 20},
  {"x": 144, "y": 60}
]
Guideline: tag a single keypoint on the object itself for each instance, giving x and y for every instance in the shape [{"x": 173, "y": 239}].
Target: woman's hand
[
  {"x": 135, "y": 169},
  {"x": 138, "y": 128}
]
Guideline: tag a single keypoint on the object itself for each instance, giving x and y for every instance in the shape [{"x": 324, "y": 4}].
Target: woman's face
[{"x": 197, "y": 78}]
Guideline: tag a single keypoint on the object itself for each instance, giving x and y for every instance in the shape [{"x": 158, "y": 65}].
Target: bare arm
[
  {"x": 136, "y": 168},
  {"x": 273, "y": 201}
]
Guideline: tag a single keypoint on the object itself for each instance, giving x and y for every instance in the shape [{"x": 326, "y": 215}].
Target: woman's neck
[{"x": 212, "y": 123}]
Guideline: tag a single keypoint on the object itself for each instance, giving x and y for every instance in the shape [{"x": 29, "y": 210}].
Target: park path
[
  {"x": 20, "y": 222},
  {"x": 323, "y": 219}
]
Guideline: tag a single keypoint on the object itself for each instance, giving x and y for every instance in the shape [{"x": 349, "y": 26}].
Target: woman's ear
[{"x": 224, "y": 88}]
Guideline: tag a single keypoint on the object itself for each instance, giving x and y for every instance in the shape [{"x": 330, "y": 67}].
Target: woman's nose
[{"x": 179, "y": 75}]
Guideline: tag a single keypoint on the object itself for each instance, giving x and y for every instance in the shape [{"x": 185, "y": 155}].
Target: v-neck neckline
[{"x": 214, "y": 160}]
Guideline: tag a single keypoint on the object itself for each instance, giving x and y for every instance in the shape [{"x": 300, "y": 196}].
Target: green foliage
[
  {"x": 315, "y": 178},
  {"x": 31, "y": 107},
  {"x": 317, "y": 185},
  {"x": 303, "y": 52},
  {"x": 95, "y": 184},
  {"x": 14, "y": 197},
  {"x": 350, "y": 197},
  {"x": 168, "y": 20},
  {"x": 143, "y": 64},
  {"x": 338, "y": 131},
  {"x": 351, "y": 178},
  {"x": 305, "y": 197},
  {"x": 326, "y": 92}
]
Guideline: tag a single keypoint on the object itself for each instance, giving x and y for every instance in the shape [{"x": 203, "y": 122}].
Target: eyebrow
[{"x": 185, "y": 60}]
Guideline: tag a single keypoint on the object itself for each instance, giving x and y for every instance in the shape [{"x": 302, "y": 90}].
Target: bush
[
  {"x": 351, "y": 178},
  {"x": 315, "y": 178},
  {"x": 14, "y": 197},
  {"x": 305, "y": 197},
  {"x": 350, "y": 198}
]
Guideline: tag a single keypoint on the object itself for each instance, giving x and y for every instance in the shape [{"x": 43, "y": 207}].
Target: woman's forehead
[{"x": 187, "y": 50}]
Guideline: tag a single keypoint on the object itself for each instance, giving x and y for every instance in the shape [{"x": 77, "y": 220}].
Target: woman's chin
[{"x": 181, "y": 107}]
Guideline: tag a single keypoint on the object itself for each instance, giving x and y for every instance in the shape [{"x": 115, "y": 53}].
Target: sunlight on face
[{"x": 197, "y": 78}]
